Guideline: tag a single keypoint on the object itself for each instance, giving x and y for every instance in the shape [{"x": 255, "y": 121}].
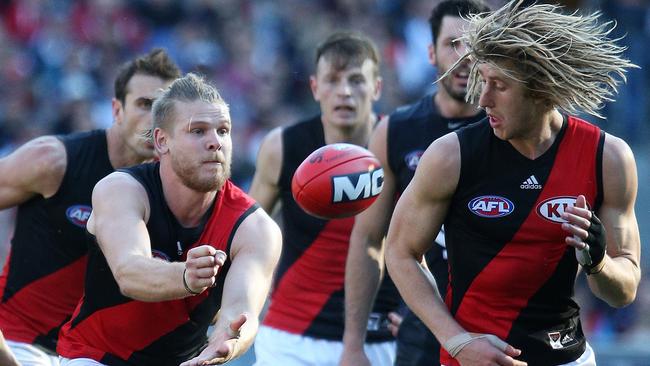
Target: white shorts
[
  {"x": 276, "y": 347},
  {"x": 30, "y": 355},
  {"x": 79, "y": 362},
  {"x": 588, "y": 358}
]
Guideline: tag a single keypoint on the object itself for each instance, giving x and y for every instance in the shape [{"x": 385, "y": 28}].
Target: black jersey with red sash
[
  {"x": 308, "y": 291},
  {"x": 42, "y": 280},
  {"x": 116, "y": 330},
  {"x": 511, "y": 272}
]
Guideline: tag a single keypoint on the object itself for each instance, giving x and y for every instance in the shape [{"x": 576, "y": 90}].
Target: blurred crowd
[{"x": 58, "y": 60}]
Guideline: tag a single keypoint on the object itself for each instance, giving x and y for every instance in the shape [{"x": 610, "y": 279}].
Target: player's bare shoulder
[
  {"x": 48, "y": 152},
  {"x": 616, "y": 151},
  {"x": 258, "y": 233},
  {"x": 443, "y": 153},
  {"x": 37, "y": 167},
  {"x": 620, "y": 178},
  {"x": 120, "y": 193},
  {"x": 438, "y": 172}
]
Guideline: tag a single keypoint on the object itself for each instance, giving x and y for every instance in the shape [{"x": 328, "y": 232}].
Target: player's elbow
[
  {"x": 391, "y": 258},
  {"x": 126, "y": 285},
  {"x": 625, "y": 299}
]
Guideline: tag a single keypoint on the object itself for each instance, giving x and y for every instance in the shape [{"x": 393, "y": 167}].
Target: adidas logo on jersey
[{"x": 530, "y": 183}]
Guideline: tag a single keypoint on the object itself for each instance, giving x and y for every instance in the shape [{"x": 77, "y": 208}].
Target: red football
[{"x": 337, "y": 180}]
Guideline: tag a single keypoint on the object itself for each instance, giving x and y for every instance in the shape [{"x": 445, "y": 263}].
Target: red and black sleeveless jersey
[
  {"x": 42, "y": 280},
  {"x": 308, "y": 291},
  {"x": 511, "y": 273},
  {"x": 116, "y": 330},
  {"x": 411, "y": 129}
]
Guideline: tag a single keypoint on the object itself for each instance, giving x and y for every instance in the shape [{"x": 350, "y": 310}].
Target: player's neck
[
  {"x": 357, "y": 134},
  {"x": 119, "y": 154},
  {"x": 453, "y": 108},
  {"x": 541, "y": 135},
  {"x": 188, "y": 206}
]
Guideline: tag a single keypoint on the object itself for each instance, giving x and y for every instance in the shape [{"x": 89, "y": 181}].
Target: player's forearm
[
  {"x": 363, "y": 275},
  {"x": 150, "y": 279},
  {"x": 418, "y": 289},
  {"x": 617, "y": 282}
]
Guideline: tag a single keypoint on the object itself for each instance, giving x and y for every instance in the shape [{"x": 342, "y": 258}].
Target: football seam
[{"x": 332, "y": 167}]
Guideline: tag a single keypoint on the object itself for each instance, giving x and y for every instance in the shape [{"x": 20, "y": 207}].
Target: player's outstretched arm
[
  {"x": 36, "y": 168},
  {"x": 265, "y": 189},
  {"x": 365, "y": 262},
  {"x": 255, "y": 252},
  {"x": 118, "y": 220},
  {"x": 613, "y": 235},
  {"x": 417, "y": 218}
]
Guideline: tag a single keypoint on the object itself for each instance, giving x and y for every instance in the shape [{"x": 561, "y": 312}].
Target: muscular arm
[
  {"x": 618, "y": 280},
  {"x": 118, "y": 220},
  {"x": 255, "y": 252},
  {"x": 265, "y": 188},
  {"x": 365, "y": 261},
  {"x": 36, "y": 168},
  {"x": 417, "y": 218}
]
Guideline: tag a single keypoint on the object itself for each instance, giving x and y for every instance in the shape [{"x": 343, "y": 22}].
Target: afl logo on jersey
[
  {"x": 78, "y": 214},
  {"x": 491, "y": 206},
  {"x": 553, "y": 208},
  {"x": 412, "y": 159}
]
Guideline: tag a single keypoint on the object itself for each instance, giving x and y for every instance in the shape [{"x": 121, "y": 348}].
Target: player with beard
[
  {"x": 398, "y": 141},
  {"x": 178, "y": 245},
  {"x": 50, "y": 180}
]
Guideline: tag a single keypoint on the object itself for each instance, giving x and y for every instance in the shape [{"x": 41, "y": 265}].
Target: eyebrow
[
  {"x": 493, "y": 77},
  {"x": 201, "y": 121},
  {"x": 145, "y": 99}
]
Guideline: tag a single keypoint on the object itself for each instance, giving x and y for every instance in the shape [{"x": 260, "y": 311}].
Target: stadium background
[{"x": 58, "y": 59}]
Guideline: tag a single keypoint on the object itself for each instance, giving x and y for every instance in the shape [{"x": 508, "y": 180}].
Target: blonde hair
[
  {"x": 189, "y": 88},
  {"x": 566, "y": 59}
]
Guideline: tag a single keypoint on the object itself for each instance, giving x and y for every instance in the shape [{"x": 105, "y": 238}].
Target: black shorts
[{"x": 416, "y": 345}]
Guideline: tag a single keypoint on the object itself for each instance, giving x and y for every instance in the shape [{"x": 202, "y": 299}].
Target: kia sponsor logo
[
  {"x": 78, "y": 214},
  {"x": 553, "y": 208},
  {"x": 491, "y": 206}
]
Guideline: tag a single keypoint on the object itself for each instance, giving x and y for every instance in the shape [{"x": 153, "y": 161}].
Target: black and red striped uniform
[
  {"x": 116, "y": 330},
  {"x": 308, "y": 292},
  {"x": 42, "y": 280},
  {"x": 511, "y": 272}
]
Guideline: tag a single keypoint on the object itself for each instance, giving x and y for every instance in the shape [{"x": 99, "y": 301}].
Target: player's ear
[
  {"x": 432, "y": 54},
  {"x": 378, "y": 87},
  {"x": 160, "y": 140},
  {"x": 117, "y": 109},
  {"x": 313, "y": 84}
]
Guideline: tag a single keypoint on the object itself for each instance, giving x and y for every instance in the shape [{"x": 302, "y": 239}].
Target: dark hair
[
  {"x": 155, "y": 63},
  {"x": 345, "y": 48},
  {"x": 454, "y": 8}
]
